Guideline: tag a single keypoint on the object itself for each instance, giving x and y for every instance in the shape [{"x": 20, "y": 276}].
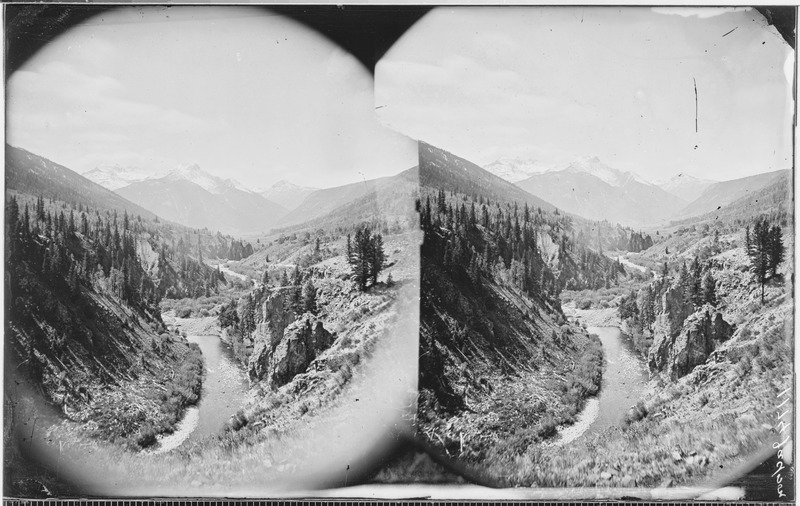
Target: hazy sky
[
  {"x": 243, "y": 93},
  {"x": 556, "y": 84}
]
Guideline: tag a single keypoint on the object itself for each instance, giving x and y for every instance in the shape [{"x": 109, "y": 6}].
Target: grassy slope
[{"x": 707, "y": 423}]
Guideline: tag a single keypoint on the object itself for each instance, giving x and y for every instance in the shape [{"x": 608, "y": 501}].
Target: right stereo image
[{"x": 606, "y": 197}]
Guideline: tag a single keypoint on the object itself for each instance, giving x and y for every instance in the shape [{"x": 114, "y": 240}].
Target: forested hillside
[
  {"x": 492, "y": 329},
  {"x": 84, "y": 279}
]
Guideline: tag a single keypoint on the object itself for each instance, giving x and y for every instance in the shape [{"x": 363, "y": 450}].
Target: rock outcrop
[
  {"x": 283, "y": 344},
  {"x": 668, "y": 324},
  {"x": 675, "y": 309},
  {"x": 273, "y": 317},
  {"x": 302, "y": 342},
  {"x": 679, "y": 353}
]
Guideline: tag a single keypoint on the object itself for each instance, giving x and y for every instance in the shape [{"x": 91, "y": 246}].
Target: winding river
[
  {"x": 224, "y": 390},
  {"x": 624, "y": 379}
]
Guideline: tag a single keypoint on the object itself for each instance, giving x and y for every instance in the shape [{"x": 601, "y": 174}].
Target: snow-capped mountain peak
[
  {"x": 287, "y": 186},
  {"x": 685, "y": 186},
  {"x": 515, "y": 169},
  {"x": 212, "y": 184},
  {"x": 194, "y": 174},
  {"x": 593, "y": 166},
  {"x": 114, "y": 177},
  {"x": 286, "y": 193}
]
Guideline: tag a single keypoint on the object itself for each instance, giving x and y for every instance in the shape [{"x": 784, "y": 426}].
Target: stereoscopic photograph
[{"x": 527, "y": 252}]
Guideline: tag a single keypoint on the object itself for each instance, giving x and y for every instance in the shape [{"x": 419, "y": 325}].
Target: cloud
[
  {"x": 460, "y": 98},
  {"x": 56, "y": 101}
]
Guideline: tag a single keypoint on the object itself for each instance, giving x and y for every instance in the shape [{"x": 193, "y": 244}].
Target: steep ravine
[
  {"x": 624, "y": 381},
  {"x": 224, "y": 392}
]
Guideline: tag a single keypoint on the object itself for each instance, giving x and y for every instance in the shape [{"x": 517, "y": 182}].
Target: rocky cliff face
[
  {"x": 677, "y": 354},
  {"x": 675, "y": 310},
  {"x": 302, "y": 342},
  {"x": 283, "y": 344}
]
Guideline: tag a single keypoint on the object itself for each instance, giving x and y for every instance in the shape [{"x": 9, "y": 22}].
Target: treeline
[
  {"x": 83, "y": 248},
  {"x": 478, "y": 239},
  {"x": 377, "y": 223},
  {"x": 604, "y": 235},
  {"x": 232, "y": 249}
]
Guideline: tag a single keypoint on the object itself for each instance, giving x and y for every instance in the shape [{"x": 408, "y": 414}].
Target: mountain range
[
  {"x": 226, "y": 208},
  {"x": 587, "y": 187},
  {"x": 591, "y": 189},
  {"x": 322, "y": 202},
  {"x": 594, "y": 190},
  {"x": 191, "y": 196}
]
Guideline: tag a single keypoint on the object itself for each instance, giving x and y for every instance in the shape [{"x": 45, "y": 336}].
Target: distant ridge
[
  {"x": 685, "y": 186},
  {"x": 321, "y": 202},
  {"x": 229, "y": 210},
  {"x": 722, "y": 194},
  {"x": 440, "y": 169},
  {"x": 287, "y": 194},
  {"x": 596, "y": 191},
  {"x": 34, "y": 175}
]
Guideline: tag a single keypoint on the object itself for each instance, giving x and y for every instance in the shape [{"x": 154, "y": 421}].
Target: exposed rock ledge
[
  {"x": 679, "y": 352},
  {"x": 284, "y": 346}
]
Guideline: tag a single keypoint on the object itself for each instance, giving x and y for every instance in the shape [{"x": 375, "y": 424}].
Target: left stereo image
[{"x": 211, "y": 256}]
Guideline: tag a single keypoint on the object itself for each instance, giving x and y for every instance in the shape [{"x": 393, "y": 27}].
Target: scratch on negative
[
  {"x": 695, "y": 103},
  {"x": 730, "y": 32}
]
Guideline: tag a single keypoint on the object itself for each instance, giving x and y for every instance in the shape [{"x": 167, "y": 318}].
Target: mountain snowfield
[
  {"x": 592, "y": 165},
  {"x": 685, "y": 186},
  {"x": 590, "y": 188},
  {"x": 286, "y": 193},
  {"x": 515, "y": 169},
  {"x": 115, "y": 177},
  {"x": 212, "y": 184}
]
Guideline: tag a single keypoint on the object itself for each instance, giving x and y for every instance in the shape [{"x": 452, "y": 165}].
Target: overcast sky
[
  {"x": 243, "y": 93},
  {"x": 556, "y": 84}
]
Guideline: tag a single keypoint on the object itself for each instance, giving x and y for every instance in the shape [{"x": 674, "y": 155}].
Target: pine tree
[
  {"x": 310, "y": 297},
  {"x": 377, "y": 257},
  {"x": 760, "y": 253},
  {"x": 776, "y": 249},
  {"x": 709, "y": 289},
  {"x": 696, "y": 283},
  {"x": 748, "y": 243},
  {"x": 685, "y": 283},
  {"x": 366, "y": 258}
]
